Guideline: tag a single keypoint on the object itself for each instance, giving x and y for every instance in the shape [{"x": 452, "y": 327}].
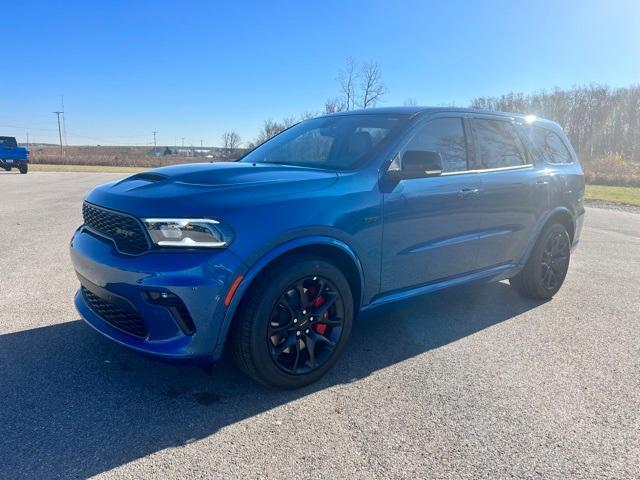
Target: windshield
[{"x": 337, "y": 143}]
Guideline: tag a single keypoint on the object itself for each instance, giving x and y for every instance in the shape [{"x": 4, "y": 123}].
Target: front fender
[{"x": 265, "y": 260}]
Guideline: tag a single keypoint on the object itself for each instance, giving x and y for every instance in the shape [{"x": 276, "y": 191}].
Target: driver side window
[{"x": 446, "y": 137}]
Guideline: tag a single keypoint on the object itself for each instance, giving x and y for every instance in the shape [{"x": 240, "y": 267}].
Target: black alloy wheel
[
  {"x": 305, "y": 325},
  {"x": 547, "y": 265},
  {"x": 555, "y": 260},
  {"x": 293, "y": 322}
]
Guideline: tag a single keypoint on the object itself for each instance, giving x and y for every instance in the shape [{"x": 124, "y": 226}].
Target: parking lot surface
[{"x": 475, "y": 382}]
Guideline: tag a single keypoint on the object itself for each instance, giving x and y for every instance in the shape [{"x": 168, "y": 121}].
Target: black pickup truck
[{"x": 13, "y": 156}]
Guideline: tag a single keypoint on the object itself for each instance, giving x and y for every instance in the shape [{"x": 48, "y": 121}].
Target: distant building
[
  {"x": 193, "y": 151},
  {"x": 159, "y": 152}
]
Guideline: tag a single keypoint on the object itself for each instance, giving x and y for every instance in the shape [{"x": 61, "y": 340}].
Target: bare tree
[
  {"x": 230, "y": 144},
  {"x": 270, "y": 128},
  {"x": 372, "y": 86},
  {"x": 333, "y": 105},
  {"x": 348, "y": 79},
  {"x": 288, "y": 122},
  {"x": 360, "y": 85}
]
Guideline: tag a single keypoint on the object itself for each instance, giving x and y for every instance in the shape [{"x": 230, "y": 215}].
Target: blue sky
[{"x": 195, "y": 69}]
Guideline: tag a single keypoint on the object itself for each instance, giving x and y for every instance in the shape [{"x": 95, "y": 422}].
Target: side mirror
[{"x": 420, "y": 164}]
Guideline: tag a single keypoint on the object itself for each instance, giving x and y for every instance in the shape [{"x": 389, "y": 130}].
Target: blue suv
[{"x": 273, "y": 256}]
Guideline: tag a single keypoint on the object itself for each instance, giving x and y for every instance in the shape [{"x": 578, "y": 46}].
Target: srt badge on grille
[{"x": 124, "y": 233}]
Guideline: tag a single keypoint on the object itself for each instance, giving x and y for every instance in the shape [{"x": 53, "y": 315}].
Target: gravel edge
[{"x": 611, "y": 206}]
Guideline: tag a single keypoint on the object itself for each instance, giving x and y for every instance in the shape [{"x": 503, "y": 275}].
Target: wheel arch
[
  {"x": 564, "y": 217},
  {"x": 334, "y": 250},
  {"x": 560, "y": 215}
]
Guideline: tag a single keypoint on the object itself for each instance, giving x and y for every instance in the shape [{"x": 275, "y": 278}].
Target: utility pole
[
  {"x": 154, "y": 139},
  {"x": 200, "y": 143},
  {"x": 182, "y": 142},
  {"x": 27, "y": 140},
  {"x": 64, "y": 121},
  {"x": 60, "y": 133}
]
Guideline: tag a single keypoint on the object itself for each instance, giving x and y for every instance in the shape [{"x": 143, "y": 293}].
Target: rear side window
[
  {"x": 549, "y": 146},
  {"x": 496, "y": 145},
  {"x": 445, "y": 136}
]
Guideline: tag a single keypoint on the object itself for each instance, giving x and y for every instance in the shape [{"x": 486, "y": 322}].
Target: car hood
[{"x": 205, "y": 188}]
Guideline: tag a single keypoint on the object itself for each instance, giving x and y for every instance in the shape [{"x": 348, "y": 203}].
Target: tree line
[{"x": 600, "y": 121}]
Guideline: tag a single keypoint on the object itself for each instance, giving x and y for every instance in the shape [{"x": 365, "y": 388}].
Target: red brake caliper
[{"x": 321, "y": 328}]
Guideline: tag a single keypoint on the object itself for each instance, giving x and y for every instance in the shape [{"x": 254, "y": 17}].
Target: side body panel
[
  {"x": 510, "y": 205},
  {"x": 17, "y": 153},
  {"x": 429, "y": 231}
]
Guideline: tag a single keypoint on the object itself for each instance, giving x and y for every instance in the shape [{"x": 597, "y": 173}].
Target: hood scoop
[
  {"x": 149, "y": 177},
  {"x": 142, "y": 179}
]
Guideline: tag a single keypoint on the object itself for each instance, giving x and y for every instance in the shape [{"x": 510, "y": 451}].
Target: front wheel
[
  {"x": 23, "y": 167},
  {"x": 547, "y": 266},
  {"x": 294, "y": 322}
]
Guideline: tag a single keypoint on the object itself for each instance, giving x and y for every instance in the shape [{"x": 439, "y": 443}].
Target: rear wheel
[
  {"x": 294, "y": 322},
  {"x": 23, "y": 167},
  {"x": 547, "y": 265}
]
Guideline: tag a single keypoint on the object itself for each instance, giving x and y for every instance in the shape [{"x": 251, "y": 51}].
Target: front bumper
[
  {"x": 200, "y": 279},
  {"x": 13, "y": 162}
]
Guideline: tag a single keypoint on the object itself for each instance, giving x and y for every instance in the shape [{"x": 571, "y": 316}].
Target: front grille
[
  {"x": 126, "y": 320},
  {"x": 124, "y": 230}
]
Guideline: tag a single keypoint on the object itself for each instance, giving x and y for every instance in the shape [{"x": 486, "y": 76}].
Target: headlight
[{"x": 188, "y": 232}]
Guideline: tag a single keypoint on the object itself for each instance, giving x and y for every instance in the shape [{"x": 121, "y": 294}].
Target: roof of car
[{"x": 432, "y": 110}]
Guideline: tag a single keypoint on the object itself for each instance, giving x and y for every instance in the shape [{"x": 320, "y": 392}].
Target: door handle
[{"x": 468, "y": 191}]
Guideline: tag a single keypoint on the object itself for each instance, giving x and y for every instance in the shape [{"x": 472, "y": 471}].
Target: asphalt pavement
[{"x": 475, "y": 382}]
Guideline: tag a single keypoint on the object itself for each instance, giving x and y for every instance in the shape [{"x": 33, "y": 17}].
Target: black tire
[
  {"x": 24, "y": 168},
  {"x": 547, "y": 266},
  {"x": 264, "y": 324}
]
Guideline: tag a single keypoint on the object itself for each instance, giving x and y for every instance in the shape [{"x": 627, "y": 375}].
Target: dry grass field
[
  {"x": 46, "y": 167},
  {"x": 137, "y": 157}
]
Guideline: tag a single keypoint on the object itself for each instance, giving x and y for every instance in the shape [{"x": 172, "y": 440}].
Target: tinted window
[
  {"x": 8, "y": 142},
  {"x": 338, "y": 142},
  {"x": 445, "y": 136},
  {"x": 549, "y": 146},
  {"x": 496, "y": 145}
]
